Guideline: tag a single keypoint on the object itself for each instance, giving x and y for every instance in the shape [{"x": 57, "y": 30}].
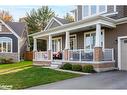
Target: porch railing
[
  {"x": 88, "y": 55},
  {"x": 39, "y": 56},
  {"x": 76, "y": 55},
  {"x": 108, "y": 55},
  {"x": 80, "y": 55}
]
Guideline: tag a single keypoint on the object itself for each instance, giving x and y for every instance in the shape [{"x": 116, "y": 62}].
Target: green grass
[
  {"x": 15, "y": 65},
  {"x": 34, "y": 76}
]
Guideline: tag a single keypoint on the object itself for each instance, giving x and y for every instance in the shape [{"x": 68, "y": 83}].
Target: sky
[{"x": 20, "y": 11}]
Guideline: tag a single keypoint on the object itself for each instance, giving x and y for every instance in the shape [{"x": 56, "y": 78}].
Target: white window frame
[
  {"x": 75, "y": 38},
  {"x": 103, "y": 46},
  {"x": 89, "y": 11},
  {"x": 6, "y": 45},
  {"x": 57, "y": 39}
]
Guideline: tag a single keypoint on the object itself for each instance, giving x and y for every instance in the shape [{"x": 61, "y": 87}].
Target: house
[
  {"x": 13, "y": 40},
  {"x": 97, "y": 37}
]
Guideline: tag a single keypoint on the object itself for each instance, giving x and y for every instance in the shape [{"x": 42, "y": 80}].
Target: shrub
[
  {"x": 88, "y": 69},
  {"x": 6, "y": 61},
  {"x": 67, "y": 66},
  {"x": 76, "y": 67}
]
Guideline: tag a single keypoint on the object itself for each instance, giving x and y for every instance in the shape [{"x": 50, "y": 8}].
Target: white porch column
[
  {"x": 98, "y": 35},
  {"x": 67, "y": 46},
  {"x": 50, "y": 48},
  {"x": 50, "y": 42},
  {"x": 35, "y": 45},
  {"x": 98, "y": 54},
  {"x": 67, "y": 43}
]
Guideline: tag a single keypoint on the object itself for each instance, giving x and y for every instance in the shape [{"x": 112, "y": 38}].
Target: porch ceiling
[{"x": 86, "y": 24}]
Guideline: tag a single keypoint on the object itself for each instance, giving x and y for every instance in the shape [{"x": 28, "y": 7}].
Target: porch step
[{"x": 55, "y": 64}]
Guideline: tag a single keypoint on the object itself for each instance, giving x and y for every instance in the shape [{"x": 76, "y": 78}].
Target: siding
[
  {"x": 54, "y": 24},
  {"x": 111, "y": 36},
  {"x": 122, "y": 11},
  {"x": 80, "y": 40},
  {"x": 110, "y": 9}
]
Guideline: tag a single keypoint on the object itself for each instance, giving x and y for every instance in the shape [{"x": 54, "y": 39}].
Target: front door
[
  {"x": 57, "y": 44},
  {"x": 124, "y": 54},
  {"x": 73, "y": 42}
]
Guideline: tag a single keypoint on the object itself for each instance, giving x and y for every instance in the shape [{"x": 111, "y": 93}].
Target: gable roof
[
  {"x": 18, "y": 27},
  {"x": 59, "y": 21},
  {"x": 63, "y": 21}
]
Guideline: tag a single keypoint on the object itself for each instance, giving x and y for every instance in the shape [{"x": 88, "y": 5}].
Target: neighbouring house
[
  {"x": 13, "y": 40},
  {"x": 97, "y": 37}
]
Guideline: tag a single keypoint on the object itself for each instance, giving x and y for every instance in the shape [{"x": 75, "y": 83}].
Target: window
[
  {"x": 102, "y": 8},
  {"x": 89, "y": 40},
  {"x": 93, "y": 10},
  {"x": 5, "y": 44},
  {"x": 86, "y": 10}
]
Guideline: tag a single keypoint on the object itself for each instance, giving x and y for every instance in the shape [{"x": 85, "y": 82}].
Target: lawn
[
  {"x": 15, "y": 65},
  {"x": 33, "y": 76}
]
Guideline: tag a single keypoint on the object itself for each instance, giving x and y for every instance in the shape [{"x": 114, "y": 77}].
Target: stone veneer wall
[{"x": 14, "y": 56}]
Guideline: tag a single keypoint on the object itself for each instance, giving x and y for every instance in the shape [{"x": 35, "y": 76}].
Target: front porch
[
  {"x": 62, "y": 47},
  {"x": 79, "y": 56}
]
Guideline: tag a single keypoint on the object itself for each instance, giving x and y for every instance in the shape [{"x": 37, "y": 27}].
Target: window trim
[
  {"x": 89, "y": 12},
  {"x": 6, "y": 44},
  {"x": 90, "y": 32}
]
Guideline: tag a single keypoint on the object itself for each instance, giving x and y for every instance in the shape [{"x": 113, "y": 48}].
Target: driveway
[{"x": 105, "y": 80}]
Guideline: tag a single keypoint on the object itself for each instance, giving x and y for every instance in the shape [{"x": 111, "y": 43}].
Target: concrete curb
[{"x": 69, "y": 71}]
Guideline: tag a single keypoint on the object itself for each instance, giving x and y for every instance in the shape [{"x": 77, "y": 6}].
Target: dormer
[{"x": 86, "y": 11}]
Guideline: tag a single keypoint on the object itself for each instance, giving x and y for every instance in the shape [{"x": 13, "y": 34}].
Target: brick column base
[
  {"x": 49, "y": 52},
  {"x": 66, "y": 54},
  {"x": 98, "y": 54}
]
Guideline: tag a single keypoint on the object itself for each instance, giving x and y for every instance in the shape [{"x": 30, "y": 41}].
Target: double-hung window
[
  {"x": 89, "y": 10},
  {"x": 89, "y": 40},
  {"x": 5, "y": 44}
]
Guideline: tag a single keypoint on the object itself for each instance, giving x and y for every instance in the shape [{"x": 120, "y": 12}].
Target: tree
[
  {"x": 38, "y": 19},
  {"x": 5, "y": 16},
  {"x": 69, "y": 18}
]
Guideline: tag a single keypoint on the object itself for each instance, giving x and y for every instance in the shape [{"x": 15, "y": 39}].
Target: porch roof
[{"x": 88, "y": 22}]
